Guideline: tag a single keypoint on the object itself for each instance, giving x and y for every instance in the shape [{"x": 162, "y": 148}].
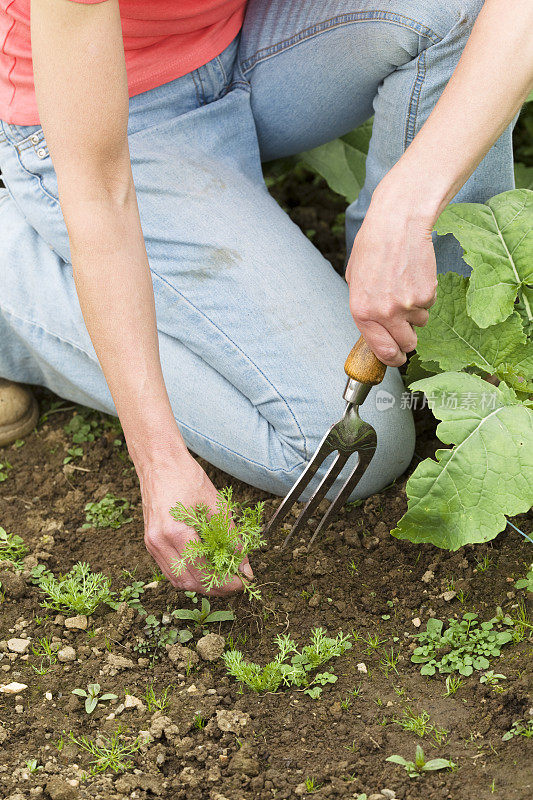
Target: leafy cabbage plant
[{"x": 479, "y": 328}]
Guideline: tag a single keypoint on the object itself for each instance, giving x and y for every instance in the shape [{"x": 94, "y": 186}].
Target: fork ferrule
[{"x": 356, "y": 392}]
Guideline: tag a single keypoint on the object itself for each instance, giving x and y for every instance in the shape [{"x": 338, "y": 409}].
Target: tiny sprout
[
  {"x": 415, "y": 768},
  {"x": 93, "y": 696}
]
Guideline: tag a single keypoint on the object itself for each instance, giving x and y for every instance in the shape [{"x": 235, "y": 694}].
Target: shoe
[{"x": 19, "y": 412}]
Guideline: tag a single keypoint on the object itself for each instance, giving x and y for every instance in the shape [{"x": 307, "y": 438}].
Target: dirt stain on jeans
[{"x": 219, "y": 260}]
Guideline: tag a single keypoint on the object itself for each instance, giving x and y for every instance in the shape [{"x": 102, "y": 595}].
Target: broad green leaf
[
  {"x": 519, "y": 373},
  {"x": 220, "y": 616},
  {"x": 397, "y": 760},
  {"x": 522, "y": 307},
  {"x": 497, "y": 239},
  {"x": 184, "y": 613},
  {"x": 419, "y": 757},
  {"x": 437, "y": 763},
  {"x": 523, "y": 176},
  {"x": 434, "y": 626},
  {"x": 360, "y": 137},
  {"x": 453, "y": 340},
  {"x": 342, "y": 162},
  {"x": 90, "y": 704},
  {"x": 418, "y": 369},
  {"x": 465, "y": 495}
]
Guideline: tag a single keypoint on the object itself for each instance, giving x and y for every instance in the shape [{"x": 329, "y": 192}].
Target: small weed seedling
[
  {"x": 225, "y": 538},
  {"x": 521, "y": 623},
  {"x": 199, "y": 722},
  {"x": 521, "y": 583},
  {"x": 421, "y": 725},
  {"x": 157, "y": 637},
  {"x": 388, "y": 661},
  {"x": 87, "y": 425},
  {"x": 12, "y": 548},
  {"x": 373, "y": 642},
  {"x": 32, "y": 765},
  {"x": 493, "y": 679},
  {"x": 83, "y": 427},
  {"x": 311, "y": 786},
  {"x": 203, "y": 615},
  {"x": 47, "y": 652},
  {"x": 109, "y": 752},
  {"x": 294, "y": 672},
  {"x": 155, "y": 702},
  {"x": 73, "y": 452},
  {"x": 482, "y": 564},
  {"x": 4, "y": 471},
  {"x": 80, "y": 590},
  {"x": 415, "y": 768},
  {"x": 453, "y": 682},
  {"x": 520, "y": 727},
  {"x": 93, "y": 696},
  {"x": 131, "y": 595},
  {"x": 109, "y": 512},
  {"x": 462, "y": 647}
]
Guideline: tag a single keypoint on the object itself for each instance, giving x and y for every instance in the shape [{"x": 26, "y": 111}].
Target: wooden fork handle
[{"x": 363, "y": 366}]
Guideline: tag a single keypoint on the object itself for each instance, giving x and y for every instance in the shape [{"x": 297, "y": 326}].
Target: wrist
[
  {"x": 156, "y": 443},
  {"x": 408, "y": 196}
]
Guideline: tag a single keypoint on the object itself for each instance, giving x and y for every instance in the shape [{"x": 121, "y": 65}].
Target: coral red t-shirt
[{"x": 163, "y": 40}]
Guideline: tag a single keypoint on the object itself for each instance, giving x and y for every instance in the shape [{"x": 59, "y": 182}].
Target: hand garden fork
[{"x": 347, "y": 436}]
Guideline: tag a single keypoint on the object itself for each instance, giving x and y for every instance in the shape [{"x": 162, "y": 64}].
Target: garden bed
[{"x": 214, "y": 740}]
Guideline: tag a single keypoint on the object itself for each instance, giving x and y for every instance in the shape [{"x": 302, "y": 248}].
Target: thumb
[{"x": 246, "y": 569}]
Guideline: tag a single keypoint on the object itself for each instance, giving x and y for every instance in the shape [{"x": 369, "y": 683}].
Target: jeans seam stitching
[
  {"x": 222, "y": 69},
  {"x": 50, "y": 333},
  {"x": 204, "y": 95},
  {"x": 414, "y": 100},
  {"x": 229, "y": 339},
  {"x": 336, "y": 22},
  {"x": 198, "y": 98}
]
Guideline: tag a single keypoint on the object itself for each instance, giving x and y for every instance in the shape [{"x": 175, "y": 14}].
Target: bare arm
[
  {"x": 82, "y": 95},
  {"x": 86, "y": 135},
  {"x": 392, "y": 270}
]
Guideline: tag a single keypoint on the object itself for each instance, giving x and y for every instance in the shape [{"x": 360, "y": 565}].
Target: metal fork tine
[
  {"x": 349, "y": 435},
  {"x": 355, "y": 476},
  {"x": 323, "y": 451},
  {"x": 316, "y": 498}
]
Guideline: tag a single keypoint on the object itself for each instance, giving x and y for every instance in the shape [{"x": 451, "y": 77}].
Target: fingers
[
  {"x": 382, "y": 343},
  {"x": 246, "y": 569},
  {"x": 418, "y": 317},
  {"x": 165, "y": 557},
  {"x": 164, "y": 552},
  {"x": 388, "y": 329},
  {"x": 403, "y": 334}
]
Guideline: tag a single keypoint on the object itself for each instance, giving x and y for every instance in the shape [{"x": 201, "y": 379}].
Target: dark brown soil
[{"x": 358, "y": 578}]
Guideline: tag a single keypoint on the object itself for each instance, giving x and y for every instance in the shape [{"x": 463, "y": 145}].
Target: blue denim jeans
[{"x": 253, "y": 322}]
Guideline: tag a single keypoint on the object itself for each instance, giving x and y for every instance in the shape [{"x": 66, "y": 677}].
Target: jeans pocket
[{"x": 31, "y": 154}]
